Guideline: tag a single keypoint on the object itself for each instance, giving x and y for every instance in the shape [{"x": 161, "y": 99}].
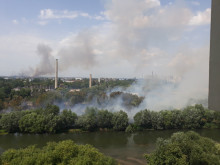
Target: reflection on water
[{"x": 126, "y": 148}]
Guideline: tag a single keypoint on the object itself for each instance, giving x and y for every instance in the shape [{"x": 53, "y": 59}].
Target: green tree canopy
[
  {"x": 185, "y": 149},
  {"x": 64, "y": 152},
  {"x": 120, "y": 120}
]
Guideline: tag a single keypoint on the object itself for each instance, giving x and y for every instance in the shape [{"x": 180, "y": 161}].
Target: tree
[
  {"x": 64, "y": 152},
  {"x": 185, "y": 149},
  {"x": 32, "y": 123},
  {"x": 167, "y": 122},
  {"x": 156, "y": 119},
  {"x": 10, "y": 121},
  {"x": 143, "y": 119},
  {"x": 120, "y": 120},
  {"x": 67, "y": 119},
  {"x": 52, "y": 109},
  {"x": 193, "y": 117},
  {"x": 177, "y": 119},
  {"x": 104, "y": 119},
  {"x": 88, "y": 120},
  {"x": 39, "y": 123},
  {"x": 1, "y": 104}
]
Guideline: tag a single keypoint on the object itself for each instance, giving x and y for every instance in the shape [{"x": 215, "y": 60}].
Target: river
[{"x": 125, "y": 147}]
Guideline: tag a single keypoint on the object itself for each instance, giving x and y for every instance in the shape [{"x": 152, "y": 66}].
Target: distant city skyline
[{"x": 108, "y": 38}]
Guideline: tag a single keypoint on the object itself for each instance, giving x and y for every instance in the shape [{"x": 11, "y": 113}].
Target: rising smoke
[
  {"x": 148, "y": 37},
  {"x": 47, "y": 61}
]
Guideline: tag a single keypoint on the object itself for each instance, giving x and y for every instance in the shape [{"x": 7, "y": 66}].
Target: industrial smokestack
[
  {"x": 90, "y": 80},
  {"x": 56, "y": 74},
  {"x": 214, "y": 61}
]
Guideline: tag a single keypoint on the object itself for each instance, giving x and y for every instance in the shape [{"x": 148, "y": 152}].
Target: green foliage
[
  {"x": 64, "y": 152},
  {"x": 51, "y": 120},
  {"x": 130, "y": 128},
  {"x": 1, "y": 104},
  {"x": 128, "y": 100},
  {"x": 50, "y": 97},
  {"x": 75, "y": 97},
  {"x": 185, "y": 149},
  {"x": 14, "y": 92},
  {"x": 48, "y": 120},
  {"x": 23, "y": 93},
  {"x": 93, "y": 119},
  {"x": 191, "y": 117},
  {"x": 38, "y": 123},
  {"x": 52, "y": 109},
  {"x": 88, "y": 121},
  {"x": 9, "y": 121},
  {"x": 120, "y": 120},
  {"x": 67, "y": 118},
  {"x": 2, "y": 132},
  {"x": 104, "y": 119},
  {"x": 143, "y": 119}
]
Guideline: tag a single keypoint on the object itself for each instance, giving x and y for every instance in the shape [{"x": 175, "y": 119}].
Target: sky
[{"x": 107, "y": 38}]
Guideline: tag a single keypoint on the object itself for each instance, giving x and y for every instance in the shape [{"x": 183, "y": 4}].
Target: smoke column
[
  {"x": 90, "y": 80},
  {"x": 46, "y": 65}
]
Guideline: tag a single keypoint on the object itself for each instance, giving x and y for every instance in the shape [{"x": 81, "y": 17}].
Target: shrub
[
  {"x": 64, "y": 152},
  {"x": 120, "y": 120},
  {"x": 185, "y": 149}
]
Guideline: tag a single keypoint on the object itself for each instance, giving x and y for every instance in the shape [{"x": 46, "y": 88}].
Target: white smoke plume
[
  {"x": 78, "y": 51},
  {"x": 138, "y": 37},
  {"x": 46, "y": 65}
]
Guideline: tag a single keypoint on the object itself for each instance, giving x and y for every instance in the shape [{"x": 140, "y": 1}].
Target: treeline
[
  {"x": 19, "y": 94},
  {"x": 43, "y": 120},
  {"x": 191, "y": 117},
  {"x": 94, "y": 119},
  {"x": 64, "y": 152},
  {"x": 108, "y": 83},
  {"x": 14, "y": 92},
  {"x": 51, "y": 120},
  {"x": 10, "y": 97},
  {"x": 85, "y": 95}
]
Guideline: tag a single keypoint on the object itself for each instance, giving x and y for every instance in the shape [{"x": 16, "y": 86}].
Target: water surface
[{"x": 126, "y": 148}]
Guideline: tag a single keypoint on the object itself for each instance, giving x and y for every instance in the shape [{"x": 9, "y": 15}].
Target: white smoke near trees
[{"x": 141, "y": 36}]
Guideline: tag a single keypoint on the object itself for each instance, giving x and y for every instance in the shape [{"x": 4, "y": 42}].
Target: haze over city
[
  {"x": 103, "y": 38},
  {"x": 110, "y": 82}
]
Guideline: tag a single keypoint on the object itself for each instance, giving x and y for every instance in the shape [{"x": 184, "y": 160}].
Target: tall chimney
[
  {"x": 90, "y": 80},
  {"x": 56, "y": 74},
  {"x": 214, "y": 61}
]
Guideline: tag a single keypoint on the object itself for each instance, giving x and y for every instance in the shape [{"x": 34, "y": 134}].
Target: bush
[
  {"x": 10, "y": 121},
  {"x": 64, "y": 152},
  {"x": 120, "y": 120},
  {"x": 104, "y": 119},
  {"x": 191, "y": 117},
  {"x": 67, "y": 118},
  {"x": 88, "y": 121},
  {"x": 43, "y": 120},
  {"x": 143, "y": 119},
  {"x": 185, "y": 149},
  {"x": 130, "y": 129}
]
